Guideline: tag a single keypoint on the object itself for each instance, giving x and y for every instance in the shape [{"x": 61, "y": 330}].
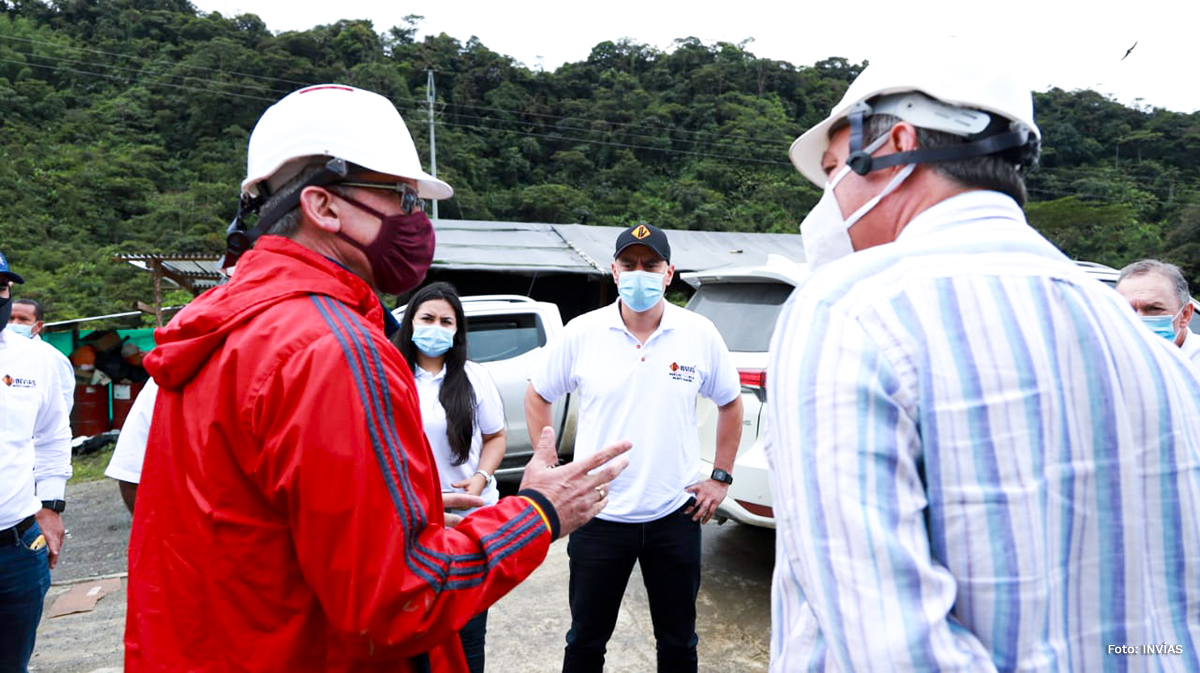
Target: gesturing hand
[
  {"x": 576, "y": 495},
  {"x": 459, "y": 501}
]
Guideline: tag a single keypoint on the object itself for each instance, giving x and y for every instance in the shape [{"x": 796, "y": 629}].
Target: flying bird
[{"x": 1129, "y": 51}]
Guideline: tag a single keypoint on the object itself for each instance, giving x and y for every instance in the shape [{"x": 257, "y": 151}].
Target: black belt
[{"x": 18, "y": 531}]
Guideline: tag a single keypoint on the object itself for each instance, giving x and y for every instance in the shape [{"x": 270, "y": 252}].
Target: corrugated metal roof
[
  {"x": 506, "y": 246},
  {"x": 533, "y": 247},
  {"x": 200, "y": 270},
  {"x": 691, "y": 250},
  {"x": 582, "y": 248}
]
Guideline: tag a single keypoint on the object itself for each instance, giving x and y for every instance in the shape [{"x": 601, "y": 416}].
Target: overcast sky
[{"x": 1068, "y": 44}]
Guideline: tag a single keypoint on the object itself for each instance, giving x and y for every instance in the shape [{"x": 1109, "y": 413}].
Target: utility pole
[{"x": 430, "y": 97}]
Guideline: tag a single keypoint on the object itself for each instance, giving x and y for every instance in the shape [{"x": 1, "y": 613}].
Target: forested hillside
[{"x": 123, "y": 127}]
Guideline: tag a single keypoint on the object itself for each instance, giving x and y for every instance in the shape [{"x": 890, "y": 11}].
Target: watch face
[{"x": 722, "y": 476}]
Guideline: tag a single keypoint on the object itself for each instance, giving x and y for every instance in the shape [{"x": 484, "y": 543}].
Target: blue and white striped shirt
[{"x": 981, "y": 461}]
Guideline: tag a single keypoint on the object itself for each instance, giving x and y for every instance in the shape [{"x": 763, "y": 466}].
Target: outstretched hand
[
  {"x": 577, "y": 496},
  {"x": 459, "y": 501}
]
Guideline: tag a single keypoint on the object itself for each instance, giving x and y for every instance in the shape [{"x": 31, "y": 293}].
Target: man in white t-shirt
[
  {"x": 126, "y": 463},
  {"x": 1159, "y": 294},
  {"x": 636, "y": 367}
]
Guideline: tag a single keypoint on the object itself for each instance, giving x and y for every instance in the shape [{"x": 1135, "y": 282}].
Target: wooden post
[{"x": 157, "y": 270}]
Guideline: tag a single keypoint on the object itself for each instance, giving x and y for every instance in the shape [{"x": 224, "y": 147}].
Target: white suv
[
  {"x": 505, "y": 334},
  {"x": 744, "y": 303}
]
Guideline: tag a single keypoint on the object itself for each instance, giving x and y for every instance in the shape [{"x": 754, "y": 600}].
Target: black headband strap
[
  {"x": 975, "y": 148},
  {"x": 238, "y": 239}
]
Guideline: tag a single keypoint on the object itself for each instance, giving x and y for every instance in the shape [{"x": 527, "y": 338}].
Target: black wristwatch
[
  {"x": 57, "y": 505},
  {"x": 722, "y": 476}
]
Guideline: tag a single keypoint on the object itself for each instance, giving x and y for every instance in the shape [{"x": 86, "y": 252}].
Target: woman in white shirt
[{"x": 461, "y": 410}]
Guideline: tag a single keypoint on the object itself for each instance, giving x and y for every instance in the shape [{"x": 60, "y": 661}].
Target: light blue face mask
[
  {"x": 1162, "y": 325},
  {"x": 640, "y": 290},
  {"x": 24, "y": 330},
  {"x": 433, "y": 340}
]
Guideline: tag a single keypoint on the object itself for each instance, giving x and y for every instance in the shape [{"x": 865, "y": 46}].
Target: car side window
[{"x": 491, "y": 338}]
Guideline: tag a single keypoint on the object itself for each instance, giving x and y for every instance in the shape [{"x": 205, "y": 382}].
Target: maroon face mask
[{"x": 401, "y": 253}]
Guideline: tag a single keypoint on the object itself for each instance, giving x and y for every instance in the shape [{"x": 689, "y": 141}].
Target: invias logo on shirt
[
  {"x": 18, "y": 383},
  {"x": 685, "y": 373}
]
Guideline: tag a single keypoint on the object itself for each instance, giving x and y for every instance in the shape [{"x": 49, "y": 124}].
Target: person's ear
[
  {"x": 615, "y": 274},
  {"x": 1188, "y": 311},
  {"x": 321, "y": 208},
  {"x": 669, "y": 275},
  {"x": 903, "y": 138}
]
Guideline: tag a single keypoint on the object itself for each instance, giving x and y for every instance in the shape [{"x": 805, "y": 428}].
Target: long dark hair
[{"x": 457, "y": 395}]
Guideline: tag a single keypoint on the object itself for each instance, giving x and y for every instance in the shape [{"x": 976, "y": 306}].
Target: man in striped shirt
[{"x": 981, "y": 460}]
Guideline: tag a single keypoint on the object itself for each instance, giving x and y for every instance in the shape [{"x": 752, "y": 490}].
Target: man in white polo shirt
[
  {"x": 27, "y": 319},
  {"x": 636, "y": 367}
]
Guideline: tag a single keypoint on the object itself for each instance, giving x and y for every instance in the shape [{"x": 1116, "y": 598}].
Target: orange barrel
[
  {"x": 123, "y": 396},
  {"x": 89, "y": 416}
]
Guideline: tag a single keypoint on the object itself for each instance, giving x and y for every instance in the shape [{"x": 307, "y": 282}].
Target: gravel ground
[
  {"x": 525, "y": 628},
  {"x": 97, "y": 540}
]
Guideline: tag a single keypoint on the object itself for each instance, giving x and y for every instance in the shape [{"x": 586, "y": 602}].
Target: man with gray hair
[
  {"x": 964, "y": 478},
  {"x": 1159, "y": 294}
]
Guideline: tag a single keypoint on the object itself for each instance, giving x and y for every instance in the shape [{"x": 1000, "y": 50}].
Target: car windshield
[
  {"x": 744, "y": 313},
  {"x": 491, "y": 338}
]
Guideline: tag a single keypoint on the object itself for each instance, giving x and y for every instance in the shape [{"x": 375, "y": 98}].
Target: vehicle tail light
[
  {"x": 756, "y": 380},
  {"x": 757, "y": 510}
]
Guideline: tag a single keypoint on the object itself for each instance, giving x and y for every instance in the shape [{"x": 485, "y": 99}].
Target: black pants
[
  {"x": 472, "y": 636},
  {"x": 602, "y": 554}
]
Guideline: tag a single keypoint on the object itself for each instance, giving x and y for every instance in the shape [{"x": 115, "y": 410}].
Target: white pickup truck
[{"x": 506, "y": 334}]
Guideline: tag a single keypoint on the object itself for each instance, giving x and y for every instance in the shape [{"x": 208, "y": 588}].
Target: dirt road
[{"x": 525, "y": 629}]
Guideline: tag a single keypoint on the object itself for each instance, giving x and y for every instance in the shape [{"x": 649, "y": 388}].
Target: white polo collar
[
  {"x": 667, "y": 322},
  {"x": 961, "y": 210},
  {"x": 424, "y": 375}
]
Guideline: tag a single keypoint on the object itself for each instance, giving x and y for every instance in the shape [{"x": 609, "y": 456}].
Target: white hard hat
[
  {"x": 958, "y": 82},
  {"x": 334, "y": 120}
]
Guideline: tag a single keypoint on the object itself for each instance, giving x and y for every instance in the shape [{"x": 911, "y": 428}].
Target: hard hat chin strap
[
  {"x": 862, "y": 162},
  {"x": 239, "y": 239}
]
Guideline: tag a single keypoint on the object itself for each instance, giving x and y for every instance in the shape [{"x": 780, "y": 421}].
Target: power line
[
  {"x": 610, "y": 123},
  {"x": 524, "y": 113},
  {"x": 155, "y": 61},
  {"x": 1075, "y": 172},
  {"x": 625, "y": 145},
  {"x": 136, "y": 72},
  {"x": 115, "y": 77},
  {"x": 558, "y": 132}
]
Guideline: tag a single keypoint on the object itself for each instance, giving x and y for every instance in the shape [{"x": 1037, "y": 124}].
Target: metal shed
[{"x": 564, "y": 263}]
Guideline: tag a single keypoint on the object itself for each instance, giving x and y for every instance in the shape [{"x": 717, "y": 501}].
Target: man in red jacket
[{"x": 289, "y": 516}]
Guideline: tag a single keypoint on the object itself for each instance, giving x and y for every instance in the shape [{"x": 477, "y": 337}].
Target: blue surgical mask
[
  {"x": 1162, "y": 325},
  {"x": 24, "y": 330},
  {"x": 640, "y": 290},
  {"x": 433, "y": 340}
]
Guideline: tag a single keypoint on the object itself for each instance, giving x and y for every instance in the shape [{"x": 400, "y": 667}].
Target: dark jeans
[
  {"x": 602, "y": 554},
  {"x": 24, "y": 580},
  {"x": 472, "y": 637}
]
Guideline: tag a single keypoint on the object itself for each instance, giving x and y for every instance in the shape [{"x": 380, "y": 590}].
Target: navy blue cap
[
  {"x": 4, "y": 270},
  {"x": 648, "y": 235}
]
